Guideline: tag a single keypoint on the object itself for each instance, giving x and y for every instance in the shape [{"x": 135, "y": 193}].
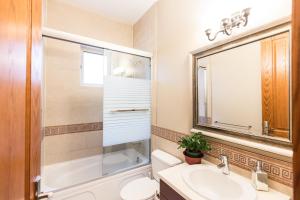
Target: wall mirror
[{"x": 242, "y": 86}]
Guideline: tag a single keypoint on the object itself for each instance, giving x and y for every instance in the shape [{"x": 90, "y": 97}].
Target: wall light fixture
[{"x": 237, "y": 20}]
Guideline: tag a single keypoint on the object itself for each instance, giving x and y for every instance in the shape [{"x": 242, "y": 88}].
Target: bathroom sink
[{"x": 210, "y": 183}]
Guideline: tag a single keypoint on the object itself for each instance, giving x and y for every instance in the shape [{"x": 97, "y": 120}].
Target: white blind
[{"x": 127, "y": 113}]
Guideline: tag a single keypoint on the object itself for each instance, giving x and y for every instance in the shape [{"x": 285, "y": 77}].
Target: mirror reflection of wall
[
  {"x": 202, "y": 95},
  {"x": 246, "y": 89}
]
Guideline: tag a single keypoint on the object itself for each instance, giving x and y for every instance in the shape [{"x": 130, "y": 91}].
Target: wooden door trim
[
  {"x": 296, "y": 96},
  {"x": 33, "y": 98},
  {"x": 28, "y": 102}
]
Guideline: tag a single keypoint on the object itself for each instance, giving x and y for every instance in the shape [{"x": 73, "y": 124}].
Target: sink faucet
[{"x": 224, "y": 164}]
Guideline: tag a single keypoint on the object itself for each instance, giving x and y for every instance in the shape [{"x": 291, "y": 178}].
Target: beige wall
[
  {"x": 172, "y": 29},
  {"x": 78, "y": 21},
  {"x": 145, "y": 31}
]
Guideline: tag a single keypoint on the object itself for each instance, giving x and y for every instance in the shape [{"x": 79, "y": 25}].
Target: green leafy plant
[{"x": 194, "y": 144}]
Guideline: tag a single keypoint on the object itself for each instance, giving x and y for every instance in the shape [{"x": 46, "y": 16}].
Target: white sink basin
[{"x": 210, "y": 183}]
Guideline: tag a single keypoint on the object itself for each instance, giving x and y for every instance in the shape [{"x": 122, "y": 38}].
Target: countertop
[{"x": 172, "y": 177}]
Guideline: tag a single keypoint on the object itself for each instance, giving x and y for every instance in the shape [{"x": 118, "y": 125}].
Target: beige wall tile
[
  {"x": 66, "y": 101},
  {"x": 65, "y": 147},
  {"x": 85, "y": 153},
  {"x": 167, "y": 146},
  {"x": 94, "y": 139}
]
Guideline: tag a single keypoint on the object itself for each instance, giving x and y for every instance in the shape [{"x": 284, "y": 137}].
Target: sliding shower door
[
  {"x": 73, "y": 76},
  {"x": 87, "y": 89},
  {"x": 126, "y": 112}
]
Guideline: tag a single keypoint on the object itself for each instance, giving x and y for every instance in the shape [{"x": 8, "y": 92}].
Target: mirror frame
[{"x": 274, "y": 28}]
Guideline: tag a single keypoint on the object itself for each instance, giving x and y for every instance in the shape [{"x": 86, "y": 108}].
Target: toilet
[{"x": 146, "y": 188}]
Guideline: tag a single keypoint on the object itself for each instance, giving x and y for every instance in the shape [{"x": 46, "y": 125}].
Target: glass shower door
[
  {"x": 126, "y": 112},
  {"x": 86, "y": 89},
  {"x": 72, "y": 113}
]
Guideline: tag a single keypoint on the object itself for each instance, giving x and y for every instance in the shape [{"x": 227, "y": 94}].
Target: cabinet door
[
  {"x": 275, "y": 85},
  {"x": 167, "y": 193},
  {"x": 162, "y": 197}
]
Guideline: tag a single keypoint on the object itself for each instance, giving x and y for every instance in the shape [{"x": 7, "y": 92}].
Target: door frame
[{"x": 33, "y": 131}]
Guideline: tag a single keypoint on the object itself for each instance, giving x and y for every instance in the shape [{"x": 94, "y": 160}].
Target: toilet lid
[{"x": 139, "y": 189}]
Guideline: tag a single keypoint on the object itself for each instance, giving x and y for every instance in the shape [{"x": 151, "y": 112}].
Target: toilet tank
[{"x": 162, "y": 160}]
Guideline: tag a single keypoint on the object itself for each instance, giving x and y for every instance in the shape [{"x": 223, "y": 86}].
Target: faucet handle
[
  {"x": 258, "y": 166},
  {"x": 224, "y": 164},
  {"x": 223, "y": 157}
]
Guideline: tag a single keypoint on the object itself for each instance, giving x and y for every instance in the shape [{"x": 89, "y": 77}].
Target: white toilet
[{"x": 146, "y": 188}]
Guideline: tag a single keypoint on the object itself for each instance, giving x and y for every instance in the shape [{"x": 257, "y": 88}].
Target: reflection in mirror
[
  {"x": 246, "y": 89},
  {"x": 202, "y": 94}
]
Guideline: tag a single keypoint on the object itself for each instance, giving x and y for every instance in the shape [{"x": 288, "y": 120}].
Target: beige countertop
[{"x": 172, "y": 177}]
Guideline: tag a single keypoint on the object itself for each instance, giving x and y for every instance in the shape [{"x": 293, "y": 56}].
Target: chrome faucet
[{"x": 224, "y": 164}]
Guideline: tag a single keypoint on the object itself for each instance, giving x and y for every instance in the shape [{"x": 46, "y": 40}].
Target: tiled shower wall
[
  {"x": 69, "y": 142},
  {"x": 72, "y": 113},
  {"x": 73, "y": 128}
]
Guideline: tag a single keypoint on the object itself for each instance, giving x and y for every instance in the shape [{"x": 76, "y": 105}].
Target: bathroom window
[{"x": 93, "y": 66}]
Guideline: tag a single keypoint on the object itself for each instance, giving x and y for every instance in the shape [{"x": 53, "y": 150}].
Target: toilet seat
[{"x": 140, "y": 189}]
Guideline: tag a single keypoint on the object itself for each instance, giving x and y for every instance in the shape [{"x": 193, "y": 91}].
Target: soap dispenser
[{"x": 260, "y": 178}]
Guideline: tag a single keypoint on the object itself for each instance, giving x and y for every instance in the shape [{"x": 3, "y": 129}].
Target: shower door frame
[{"x": 92, "y": 43}]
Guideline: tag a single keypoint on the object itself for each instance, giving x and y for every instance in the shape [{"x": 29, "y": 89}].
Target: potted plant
[{"x": 194, "y": 145}]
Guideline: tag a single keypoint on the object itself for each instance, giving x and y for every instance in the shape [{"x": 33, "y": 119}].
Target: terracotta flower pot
[{"x": 193, "y": 158}]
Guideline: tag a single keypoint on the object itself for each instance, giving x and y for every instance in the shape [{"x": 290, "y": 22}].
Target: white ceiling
[{"x": 125, "y": 11}]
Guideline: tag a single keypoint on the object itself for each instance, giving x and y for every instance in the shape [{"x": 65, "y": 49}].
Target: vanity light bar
[{"x": 227, "y": 24}]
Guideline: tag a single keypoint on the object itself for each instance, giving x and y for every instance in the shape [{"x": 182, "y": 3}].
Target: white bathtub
[{"x": 78, "y": 172}]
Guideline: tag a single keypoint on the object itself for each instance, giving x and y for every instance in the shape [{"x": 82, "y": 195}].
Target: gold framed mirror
[{"x": 242, "y": 86}]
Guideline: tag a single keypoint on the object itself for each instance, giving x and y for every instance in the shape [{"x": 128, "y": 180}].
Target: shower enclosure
[{"x": 96, "y": 110}]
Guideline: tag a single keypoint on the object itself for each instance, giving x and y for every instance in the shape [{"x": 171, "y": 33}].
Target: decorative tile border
[
  {"x": 278, "y": 170},
  {"x": 72, "y": 128},
  {"x": 166, "y": 133}
]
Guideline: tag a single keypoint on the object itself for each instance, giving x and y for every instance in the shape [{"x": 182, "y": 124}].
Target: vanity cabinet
[{"x": 167, "y": 193}]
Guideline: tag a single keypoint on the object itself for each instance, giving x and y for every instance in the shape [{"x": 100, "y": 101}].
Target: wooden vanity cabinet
[{"x": 167, "y": 193}]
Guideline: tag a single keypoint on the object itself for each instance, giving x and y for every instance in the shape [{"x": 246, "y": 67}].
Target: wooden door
[
  {"x": 14, "y": 36},
  {"x": 19, "y": 97},
  {"x": 275, "y": 85},
  {"x": 296, "y": 97}
]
